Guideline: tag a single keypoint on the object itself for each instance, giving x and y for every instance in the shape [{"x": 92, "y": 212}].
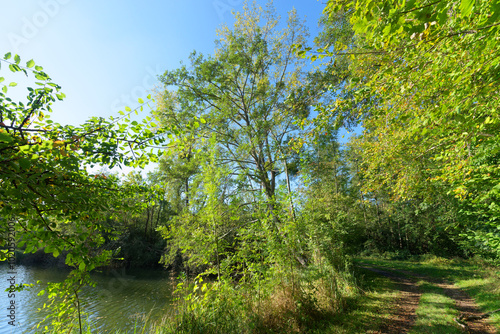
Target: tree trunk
[{"x": 292, "y": 208}]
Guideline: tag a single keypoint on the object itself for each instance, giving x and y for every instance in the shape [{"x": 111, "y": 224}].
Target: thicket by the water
[{"x": 255, "y": 204}]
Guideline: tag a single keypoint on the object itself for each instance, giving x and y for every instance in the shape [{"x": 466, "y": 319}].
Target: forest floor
[{"x": 429, "y": 297}]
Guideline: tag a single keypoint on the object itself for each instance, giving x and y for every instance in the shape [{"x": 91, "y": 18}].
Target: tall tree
[{"x": 250, "y": 93}]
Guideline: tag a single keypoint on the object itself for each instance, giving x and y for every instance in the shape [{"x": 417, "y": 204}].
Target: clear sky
[{"x": 105, "y": 54}]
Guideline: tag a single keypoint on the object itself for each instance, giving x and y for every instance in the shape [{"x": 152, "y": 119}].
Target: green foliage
[
  {"x": 210, "y": 308},
  {"x": 56, "y": 204},
  {"x": 423, "y": 80},
  {"x": 249, "y": 93}
]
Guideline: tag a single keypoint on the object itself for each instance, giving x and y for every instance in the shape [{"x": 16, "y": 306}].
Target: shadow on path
[{"x": 404, "y": 316}]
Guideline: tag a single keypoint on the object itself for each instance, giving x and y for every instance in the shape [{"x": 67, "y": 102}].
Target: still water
[{"x": 121, "y": 300}]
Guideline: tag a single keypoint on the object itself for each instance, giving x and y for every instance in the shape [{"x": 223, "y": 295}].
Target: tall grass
[{"x": 284, "y": 303}]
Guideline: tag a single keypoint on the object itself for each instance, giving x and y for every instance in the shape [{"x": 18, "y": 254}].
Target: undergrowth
[
  {"x": 273, "y": 305},
  {"x": 321, "y": 300}
]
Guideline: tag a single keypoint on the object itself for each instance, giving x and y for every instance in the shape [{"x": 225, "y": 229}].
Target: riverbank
[
  {"x": 430, "y": 295},
  {"x": 389, "y": 297}
]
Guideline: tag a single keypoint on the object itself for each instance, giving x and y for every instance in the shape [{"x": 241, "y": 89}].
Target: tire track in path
[
  {"x": 465, "y": 305},
  {"x": 404, "y": 316}
]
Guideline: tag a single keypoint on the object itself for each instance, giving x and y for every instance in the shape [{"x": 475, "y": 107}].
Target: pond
[{"x": 121, "y": 300}]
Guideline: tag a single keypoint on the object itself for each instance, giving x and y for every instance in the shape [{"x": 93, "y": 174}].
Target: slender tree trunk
[
  {"x": 336, "y": 179},
  {"x": 186, "y": 191},
  {"x": 379, "y": 221},
  {"x": 399, "y": 235},
  {"x": 378, "y": 213},
  {"x": 364, "y": 207},
  {"x": 79, "y": 312},
  {"x": 216, "y": 237},
  {"x": 147, "y": 222},
  {"x": 292, "y": 208},
  {"x": 160, "y": 206}
]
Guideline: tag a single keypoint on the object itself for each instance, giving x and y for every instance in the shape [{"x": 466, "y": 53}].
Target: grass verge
[{"x": 367, "y": 312}]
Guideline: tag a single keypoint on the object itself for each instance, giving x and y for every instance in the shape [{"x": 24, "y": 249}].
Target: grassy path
[
  {"x": 404, "y": 312},
  {"x": 429, "y": 301}
]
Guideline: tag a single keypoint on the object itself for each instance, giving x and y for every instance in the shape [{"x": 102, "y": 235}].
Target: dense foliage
[{"x": 423, "y": 80}]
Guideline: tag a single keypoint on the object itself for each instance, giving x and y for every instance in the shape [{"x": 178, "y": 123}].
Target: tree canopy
[{"x": 424, "y": 83}]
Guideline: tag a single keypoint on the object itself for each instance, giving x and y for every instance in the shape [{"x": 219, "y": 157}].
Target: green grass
[
  {"x": 435, "y": 312},
  {"x": 366, "y": 313}
]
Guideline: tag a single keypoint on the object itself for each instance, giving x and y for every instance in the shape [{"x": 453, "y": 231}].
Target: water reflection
[{"x": 121, "y": 299}]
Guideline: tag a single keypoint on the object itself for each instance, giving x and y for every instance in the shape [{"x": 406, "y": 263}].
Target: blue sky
[{"x": 106, "y": 54}]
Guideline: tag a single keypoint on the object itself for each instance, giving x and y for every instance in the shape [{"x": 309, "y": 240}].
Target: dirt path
[{"x": 404, "y": 316}]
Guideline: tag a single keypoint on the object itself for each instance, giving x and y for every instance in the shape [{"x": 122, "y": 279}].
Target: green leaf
[
  {"x": 6, "y": 138},
  {"x": 40, "y": 76},
  {"x": 30, "y": 64},
  {"x": 12, "y": 84},
  {"x": 81, "y": 266},
  {"x": 25, "y": 163},
  {"x": 7, "y": 56},
  {"x": 128, "y": 109},
  {"x": 361, "y": 25},
  {"x": 301, "y": 54},
  {"x": 4, "y": 89},
  {"x": 141, "y": 101},
  {"x": 466, "y": 7}
]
